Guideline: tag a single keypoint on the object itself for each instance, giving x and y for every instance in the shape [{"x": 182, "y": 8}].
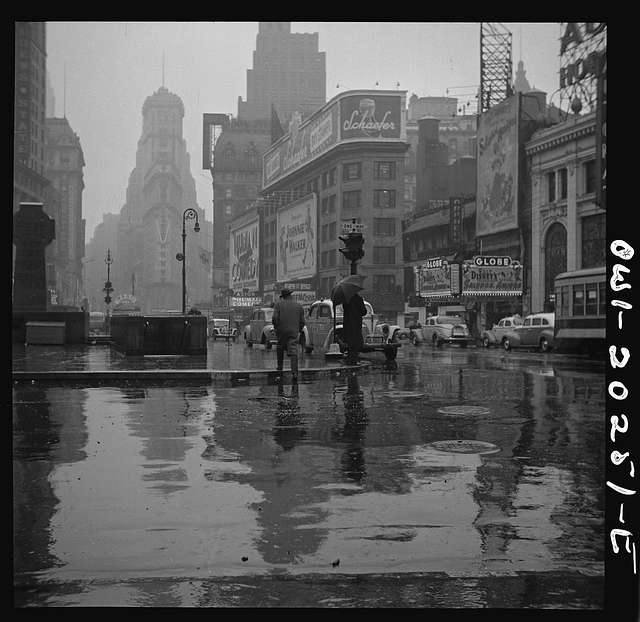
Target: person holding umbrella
[
  {"x": 346, "y": 293},
  {"x": 288, "y": 321}
]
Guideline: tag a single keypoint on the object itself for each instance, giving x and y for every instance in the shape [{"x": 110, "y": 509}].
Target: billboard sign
[
  {"x": 355, "y": 115},
  {"x": 497, "y": 204},
  {"x": 243, "y": 256},
  {"x": 303, "y": 143},
  {"x": 432, "y": 278},
  {"x": 487, "y": 278},
  {"x": 296, "y": 242},
  {"x": 455, "y": 220},
  {"x": 370, "y": 116}
]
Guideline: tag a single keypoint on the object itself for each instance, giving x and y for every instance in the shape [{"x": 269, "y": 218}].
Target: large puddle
[{"x": 343, "y": 475}]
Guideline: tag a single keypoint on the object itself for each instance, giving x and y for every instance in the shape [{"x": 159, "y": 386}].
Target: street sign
[{"x": 352, "y": 227}]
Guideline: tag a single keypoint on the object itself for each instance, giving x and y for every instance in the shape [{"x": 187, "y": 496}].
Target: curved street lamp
[{"x": 188, "y": 214}]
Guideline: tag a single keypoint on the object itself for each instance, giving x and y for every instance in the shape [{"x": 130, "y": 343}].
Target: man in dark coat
[
  {"x": 288, "y": 320},
  {"x": 353, "y": 311}
]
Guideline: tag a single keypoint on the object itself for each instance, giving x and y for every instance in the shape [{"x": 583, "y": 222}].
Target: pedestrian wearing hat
[{"x": 288, "y": 321}]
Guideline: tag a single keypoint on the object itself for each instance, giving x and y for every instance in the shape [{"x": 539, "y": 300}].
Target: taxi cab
[
  {"x": 318, "y": 330},
  {"x": 260, "y": 329}
]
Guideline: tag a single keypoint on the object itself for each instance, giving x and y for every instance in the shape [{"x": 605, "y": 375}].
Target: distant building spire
[
  {"x": 162, "y": 67},
  {"x": 521, "y": 84}
]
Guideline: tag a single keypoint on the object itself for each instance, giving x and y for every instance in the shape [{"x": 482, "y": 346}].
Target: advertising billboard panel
[
  {"x": 433, "y": 278},
  {"x": 497, "y": 194},
  {"x": 297, "y": 239},
  {"x": 301, "y": 144},
  {"x": 243, "y": 257},
  {"x": 370, "y": 116},
  {"x": 492, "y": 276}
]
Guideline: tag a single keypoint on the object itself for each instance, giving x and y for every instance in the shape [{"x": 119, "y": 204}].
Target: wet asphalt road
[{"x": 463, "y": 478}]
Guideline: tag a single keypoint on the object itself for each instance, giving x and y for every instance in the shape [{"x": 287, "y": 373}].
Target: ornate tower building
[{"x": 160, "y": 189}]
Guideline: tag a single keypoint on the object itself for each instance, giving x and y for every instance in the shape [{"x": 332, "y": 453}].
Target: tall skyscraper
[
  {"x": 288, "y": 76},
  {"x": 288, "y": 72},
  {"x": 63, "y": 167},
  {"x": 160, "y": 189},
  {"x": 29, "y": 181}
]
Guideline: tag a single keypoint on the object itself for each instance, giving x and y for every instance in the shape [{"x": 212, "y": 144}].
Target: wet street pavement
[{"x": 464, "y": 478}]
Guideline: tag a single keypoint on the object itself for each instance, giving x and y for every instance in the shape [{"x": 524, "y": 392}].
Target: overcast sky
[{"x": 112, "y": 67}]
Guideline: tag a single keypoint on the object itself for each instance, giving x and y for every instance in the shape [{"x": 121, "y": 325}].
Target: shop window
[
  {"x": 602, "y": 299},
  {"x": 591, "y": 302}
]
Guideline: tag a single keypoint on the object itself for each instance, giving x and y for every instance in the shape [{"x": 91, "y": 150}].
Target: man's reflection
[
  {"x": 288, "y": 430},
  {"x": 353, "y": 432}
]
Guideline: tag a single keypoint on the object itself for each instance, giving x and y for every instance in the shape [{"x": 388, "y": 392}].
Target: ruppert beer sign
[{"x": 350, "y": 116}]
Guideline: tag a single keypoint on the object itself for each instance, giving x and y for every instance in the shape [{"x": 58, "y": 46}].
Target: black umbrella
[{"x": 345, "y": 289}]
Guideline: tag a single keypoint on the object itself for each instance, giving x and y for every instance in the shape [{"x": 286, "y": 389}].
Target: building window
[
  {"x": 332, "y": 204},
  {"x": 591, "y": 291},
  {"x": 384, "y": 283},
  {"x": 602, "y": 299},
  {"x": 384, "y": 198},
  {"x": 589, "y": 169},
  {"x": 562, "y": 179},
  {"x": 325, "y": 230},
  {"x": 325, "y": 180},
  {"x": 384, "y": 170},
  {"x": 551, "y": 186},
  {"x": 351, "y": 199},
  {"x": 384, "y": 226},
  {"x": 332, "y": 231},
  {"x": 384, "y": 254},
  {"x": 332, "y": 177},
  {"x": 578, "y": 300},
  {"x": 325, "y": 206},
  {"x": 351, "y": 170},
  {"x": 593, "y": 241}
]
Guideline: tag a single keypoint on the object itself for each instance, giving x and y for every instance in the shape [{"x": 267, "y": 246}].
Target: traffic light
[{"x": 354, "y": 243}]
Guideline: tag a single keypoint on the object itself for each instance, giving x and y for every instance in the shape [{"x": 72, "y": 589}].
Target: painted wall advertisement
[
  {"x": 302, "y": 143},
  {"x": 296, "y": 241},
  {"x": 432, "y": 278},
  {"x": 497, "y": 205},
  {"x": 492, "y": 276},
  {"x": 243, "y": 257}
]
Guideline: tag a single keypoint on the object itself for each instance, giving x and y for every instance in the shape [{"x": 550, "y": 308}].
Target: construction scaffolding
[{"x": 496, "y": 66}]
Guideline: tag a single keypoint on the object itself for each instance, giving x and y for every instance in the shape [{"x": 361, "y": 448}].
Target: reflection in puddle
[{"x": 171, "y": 481}]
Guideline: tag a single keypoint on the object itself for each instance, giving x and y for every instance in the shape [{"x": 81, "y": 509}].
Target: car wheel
[
  {"x": 249, "y": 343},
  {"x": 463, "y": 344},
  {"x": 308, "y": 349},
  {"x": 485, "y": 342},
  {"x": 544, "y": 345},
  {"x": 506, "y": 344}
]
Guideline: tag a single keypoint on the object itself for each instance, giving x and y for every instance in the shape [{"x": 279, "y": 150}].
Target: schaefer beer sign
[{"x": 243, "y": 256}]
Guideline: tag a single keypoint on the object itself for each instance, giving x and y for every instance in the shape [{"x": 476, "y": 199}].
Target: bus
[{"x": 581, "y": 311}]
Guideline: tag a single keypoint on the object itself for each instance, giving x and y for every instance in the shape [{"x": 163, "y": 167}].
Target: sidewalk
[{"x": 233, "y": 363}]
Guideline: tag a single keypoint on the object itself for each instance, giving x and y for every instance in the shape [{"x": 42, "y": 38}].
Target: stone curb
[{"x": 238, "y": 377}]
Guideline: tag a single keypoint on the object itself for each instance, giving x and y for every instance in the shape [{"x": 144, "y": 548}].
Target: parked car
[
  {"x": 536, "y": 331},
  {"x": 318, "y": 331},
  {"x": 494, "y": 335},
  {"x": 439, "y": 329},
  {"x": 96, "y": 322},
  {"x": 218, "y": 328},
  {"x": 260, "y": 328}
]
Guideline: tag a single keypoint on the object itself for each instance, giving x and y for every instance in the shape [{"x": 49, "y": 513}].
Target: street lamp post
[
  {"x": 190, "y": 214},
  {"x": 108, "y": 288}
]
